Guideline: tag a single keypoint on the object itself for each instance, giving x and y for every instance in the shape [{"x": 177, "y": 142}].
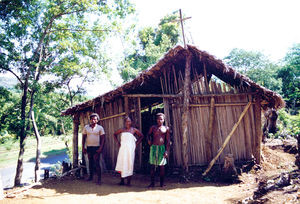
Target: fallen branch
[
  {"x": 72, "y": 170},
  {"x": 21, "y": 190}
]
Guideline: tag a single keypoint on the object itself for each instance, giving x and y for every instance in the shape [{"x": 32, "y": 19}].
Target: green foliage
[
  {"x": 284, "y": 79},
  {"x": 154, "y": 42},
  {"x": 59, "y": 42},
  {"x": 7, "y": 140},
  {"x": 57, "y": 169},
  {"x": 9, "y": 112},
  {"x": 243, "y": 60},
  {"x": 256, "y": 66},
  {"x": 47, "y": 109},
  {"x": 290, "y": 75},
  {"x": 288, "y": 125}
]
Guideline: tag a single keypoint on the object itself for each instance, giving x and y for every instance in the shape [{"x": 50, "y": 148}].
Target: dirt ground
[{"x": 80, "y": 191}]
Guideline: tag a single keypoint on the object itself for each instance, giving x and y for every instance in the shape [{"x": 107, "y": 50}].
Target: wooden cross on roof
[{"x": 182, "y": 29}]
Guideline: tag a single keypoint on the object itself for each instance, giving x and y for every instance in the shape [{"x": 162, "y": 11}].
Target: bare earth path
[{"x": 80, "y": 191}]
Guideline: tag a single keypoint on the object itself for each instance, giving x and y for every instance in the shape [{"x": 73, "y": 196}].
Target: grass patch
[{"x": 51, "y": 145}]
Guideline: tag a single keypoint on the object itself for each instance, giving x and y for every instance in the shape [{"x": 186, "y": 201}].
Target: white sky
[{"x": 218, "y": 26}]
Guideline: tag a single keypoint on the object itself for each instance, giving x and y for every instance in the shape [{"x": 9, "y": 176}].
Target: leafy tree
[
  {"x": 243, "y": 60},
  {"x": 153, "y": 43},
  {"x": 9, "y": 111},
  {"x": 256, "y": 66},
  {"x": 290, "y": 75},
  {"x": 43, "y": 38}
]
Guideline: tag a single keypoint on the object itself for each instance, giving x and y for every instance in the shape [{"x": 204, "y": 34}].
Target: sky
[{"x": 218, "y": 26}]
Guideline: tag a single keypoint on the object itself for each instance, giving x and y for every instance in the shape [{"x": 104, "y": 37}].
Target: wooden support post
[
  {"x": 139, "y": 115},
  {"x": 139, "y": 121},
  {"x": 185, "y": 115},
  {"x": 75, "y": 139},
  {"x": 126, "y": 108},
  {"x": 258, "y": 130},
  {"x": 227, "y": 139},
  {"x": 209, "y": 136},
  {"x": 167, "y": 111}
]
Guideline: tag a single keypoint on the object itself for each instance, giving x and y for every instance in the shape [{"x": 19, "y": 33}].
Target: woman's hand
[
  {"x": 149, "y": 142},
  {"x": 166, "y": 154},
  {"x": 84, "y": 150}
]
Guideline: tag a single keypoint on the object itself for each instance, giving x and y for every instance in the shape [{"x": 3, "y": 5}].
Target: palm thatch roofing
[{"x": 148, "y": 81}]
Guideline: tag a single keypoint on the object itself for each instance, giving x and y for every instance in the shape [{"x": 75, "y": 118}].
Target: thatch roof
[{"x": 148, "y": 80}]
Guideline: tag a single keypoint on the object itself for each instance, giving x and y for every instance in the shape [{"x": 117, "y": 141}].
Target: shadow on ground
[
  {"x": 52, "y": 156},
  {"x": 110, "y": 186}
]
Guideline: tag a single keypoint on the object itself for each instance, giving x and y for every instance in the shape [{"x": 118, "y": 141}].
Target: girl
[{"x": 127, "y": 144}]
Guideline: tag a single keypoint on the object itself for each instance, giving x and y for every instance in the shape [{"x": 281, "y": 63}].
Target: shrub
[{"x": 288, "y": 125}]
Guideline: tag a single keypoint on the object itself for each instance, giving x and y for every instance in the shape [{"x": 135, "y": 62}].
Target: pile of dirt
[
  {"x": 288, "y": 144},
  {"x": 278, "y": 180}
]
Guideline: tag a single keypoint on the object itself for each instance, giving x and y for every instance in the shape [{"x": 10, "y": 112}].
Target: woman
[{"x": 127, "y": 145}]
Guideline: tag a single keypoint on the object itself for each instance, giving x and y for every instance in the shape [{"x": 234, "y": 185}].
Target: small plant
[
  {"x": 6, "y": 138},
  {"x": 57, "y": 169},
  {"x": 288, "y": 125}
]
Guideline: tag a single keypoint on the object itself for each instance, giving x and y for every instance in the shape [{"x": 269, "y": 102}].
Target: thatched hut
[{"x": 204, "y": 101}]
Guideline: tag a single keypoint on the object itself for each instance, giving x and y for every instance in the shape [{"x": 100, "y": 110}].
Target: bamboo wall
[
  {"x": 242, "y": 144},
  {"x": 226, "y": 116}
]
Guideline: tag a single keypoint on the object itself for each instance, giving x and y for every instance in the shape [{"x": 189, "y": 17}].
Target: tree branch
[
  {"x": 79, "y": 30},
  {"x": 9, "y": 70}
]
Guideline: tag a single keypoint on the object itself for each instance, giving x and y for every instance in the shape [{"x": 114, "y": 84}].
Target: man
[
  {"x": 93, "y": 137},
  {"x": 159, "y": 148}
]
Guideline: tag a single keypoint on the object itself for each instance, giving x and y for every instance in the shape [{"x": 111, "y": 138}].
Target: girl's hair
[
  {"x": 127, "y": 117},
  {"x": 160, "y": 114}
]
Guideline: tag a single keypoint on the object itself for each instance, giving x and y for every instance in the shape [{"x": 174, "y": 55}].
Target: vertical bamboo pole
[
  {"x": 139, "y": 121},
  {"x": 186, "y": 103},
  {"x": 75, "y": 139},
  {"x": 208, "y": 138},
  {"x": 248, "y": 133},
  {"x": 167, "y": 111},
  {"x": 126, "y": 109},
  {"x": 258, "y": 130}
]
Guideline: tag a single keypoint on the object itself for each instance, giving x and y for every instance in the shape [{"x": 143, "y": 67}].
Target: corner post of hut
[
  {"x": 258, "y": 129},
  {"x": 75, "y": 139},
  {"x": 138, "y": 124},
  {"x": 185, "y": 115}
]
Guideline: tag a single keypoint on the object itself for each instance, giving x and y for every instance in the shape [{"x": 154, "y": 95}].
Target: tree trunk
[
  {"x": 19, "y": 169},
  {"x": 38, "y": 149},
  {"x": 63, "y": 127},
  {"x": 185, "y": 115}
]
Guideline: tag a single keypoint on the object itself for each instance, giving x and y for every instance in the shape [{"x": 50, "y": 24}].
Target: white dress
[{"x": 126, "y": 154}]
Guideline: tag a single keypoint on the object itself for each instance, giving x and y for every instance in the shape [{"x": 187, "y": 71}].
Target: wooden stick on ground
[{"x": 227, "y": 139}]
